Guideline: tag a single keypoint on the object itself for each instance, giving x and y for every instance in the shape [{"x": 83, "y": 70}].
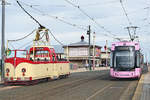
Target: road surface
[{"x": 94, "y": 85}]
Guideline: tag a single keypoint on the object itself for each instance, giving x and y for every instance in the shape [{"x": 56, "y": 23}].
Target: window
[
  {"x": 78, "y": 52},
  {"x": 53, "y": 57},
  {"x": 21, "y": 54},
  {"x": 137, "y": 59}
]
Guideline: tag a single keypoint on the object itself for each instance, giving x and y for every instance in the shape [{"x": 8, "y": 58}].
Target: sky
[{"x": 107, "y": 13}]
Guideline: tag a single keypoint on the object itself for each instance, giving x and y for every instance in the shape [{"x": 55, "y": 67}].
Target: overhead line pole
[
  {"x": 3, "y": 40},
  {"x": 89, "y": 33},
  {"x": 93, "y": 50}
]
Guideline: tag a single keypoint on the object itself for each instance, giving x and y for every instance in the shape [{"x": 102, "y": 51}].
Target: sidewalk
[
  {"x": 85, "y": 70},
  {"x": 143, "y": 89},
  {"x": 0, "y": 80},
  {"x": 146, "y": 87}
]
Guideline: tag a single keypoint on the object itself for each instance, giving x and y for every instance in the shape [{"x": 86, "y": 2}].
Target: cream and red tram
[{"x": 40, "y": 62}]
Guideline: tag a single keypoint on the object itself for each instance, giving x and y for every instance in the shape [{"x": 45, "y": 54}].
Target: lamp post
[
  {"x": 106, "y": 55},
  {"x": 93, "y": 50}
]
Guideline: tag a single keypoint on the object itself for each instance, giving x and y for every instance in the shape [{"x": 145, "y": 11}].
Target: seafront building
[{"x": 78, "y": 53}]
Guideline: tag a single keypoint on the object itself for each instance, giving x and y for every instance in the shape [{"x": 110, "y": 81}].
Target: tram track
[
  {"x": 60, "y": 88},
  {"x": 99, "y": 91},
  {"x": 3, "y": 87},
  {"x": 81, "y": 86}
]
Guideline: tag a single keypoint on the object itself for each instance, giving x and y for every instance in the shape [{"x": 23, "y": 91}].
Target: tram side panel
[
  {"x": 9, "y": 71},
  {"x": 65, "y": 69},
  {"x": 39, "y": 71},
  {"x": 28, "y": 71}
]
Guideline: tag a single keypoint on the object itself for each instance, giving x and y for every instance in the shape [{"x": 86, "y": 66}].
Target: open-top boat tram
[{"x": 37, "y": 63}]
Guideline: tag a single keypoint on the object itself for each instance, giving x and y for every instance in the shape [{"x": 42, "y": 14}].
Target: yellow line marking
[
  {"x": 126, "y": 94},
  {"x": 99, "y": 91},
  {"x": 138, "y": 92}
]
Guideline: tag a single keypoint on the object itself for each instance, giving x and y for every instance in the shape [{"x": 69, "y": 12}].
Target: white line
[
  {"x": 101, "y": 90},
  {"x": 9, "y": 87}
]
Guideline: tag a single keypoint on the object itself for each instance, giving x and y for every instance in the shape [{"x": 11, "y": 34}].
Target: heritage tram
[
  {"x": 126, "y": 60},
  {"x": 39, "y": 62}
]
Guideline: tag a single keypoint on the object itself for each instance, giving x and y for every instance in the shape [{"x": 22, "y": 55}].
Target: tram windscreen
[
  {"x": 21, "y": 54},
  {"x": 124, "y": 59}
]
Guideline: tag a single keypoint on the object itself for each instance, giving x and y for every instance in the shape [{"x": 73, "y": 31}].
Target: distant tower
[{"x": 82, "y": 38}]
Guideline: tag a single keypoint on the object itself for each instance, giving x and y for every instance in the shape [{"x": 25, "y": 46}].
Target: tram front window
[
  {"x": 124, "y": 60},
  {"x": 10, "y": 54},
  {"x": 21, "y": 54}
]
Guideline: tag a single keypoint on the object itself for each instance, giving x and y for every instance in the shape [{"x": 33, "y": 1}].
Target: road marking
[
  {"x": 74, "y": 81},
  {"x": 99, "y": 91},
  {"x": 8, "y": 87},
  {"x": 138, "y": 92},
  {"x": 126, "y": 94},
  {"x": 80, "y": 85},
  {"x": 116, "y": 87}
]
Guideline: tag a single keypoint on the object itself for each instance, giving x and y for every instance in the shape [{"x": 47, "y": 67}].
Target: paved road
[{"x": 79, "y": 86}]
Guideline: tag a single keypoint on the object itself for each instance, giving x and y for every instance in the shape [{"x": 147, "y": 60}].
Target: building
[
  {"x": 78, "y": 53},
  {"x": 59, "y": 50},
  {"x": 105, "y": 58}
]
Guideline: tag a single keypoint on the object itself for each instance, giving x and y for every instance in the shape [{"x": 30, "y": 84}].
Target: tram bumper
[
  {"x": 131, "y": 74},
  {"x": 17, "y": 80},
  {"x": 136, "y": 73}
]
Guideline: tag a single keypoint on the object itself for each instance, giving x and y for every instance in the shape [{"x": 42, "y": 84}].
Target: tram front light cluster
[
  {"x": 23, "y": 71},
  {"x": 116, "y": 74}
]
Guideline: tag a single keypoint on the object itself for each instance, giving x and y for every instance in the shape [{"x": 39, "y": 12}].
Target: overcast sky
[{"x": 107, "y": 13}]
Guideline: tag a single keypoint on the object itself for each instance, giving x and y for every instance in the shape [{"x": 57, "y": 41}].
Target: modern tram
[{"x": 126, "y": 60}]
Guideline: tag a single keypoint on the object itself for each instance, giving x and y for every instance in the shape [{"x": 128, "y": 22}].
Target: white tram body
[{"x": 40, "y": 62}]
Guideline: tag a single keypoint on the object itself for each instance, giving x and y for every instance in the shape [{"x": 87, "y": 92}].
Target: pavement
[
  {"x": 87, "y": 69},
  {"x": 143, "y": 89},
  {"x": 0, "y": 80}
]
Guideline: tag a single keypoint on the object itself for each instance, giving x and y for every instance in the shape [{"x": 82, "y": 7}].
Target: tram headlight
[
  {"x": 7, "y": 70},
  {"x": 23, "y": 70}
]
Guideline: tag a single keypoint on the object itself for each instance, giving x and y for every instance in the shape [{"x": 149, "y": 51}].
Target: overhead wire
[
  {"x": 66, "y": 22},
  {"x": 55, "y": 38},
  {"x": 130, "y": 23},
  {"x": 22, "y": 37},
  {"x": 148, "y": 11},
  {"x": 77, "y": 6},
  {"x": 41, "y": 26},
  {"x": 11, "y": 45},
  {"x": 29, "y": 14},
  {"x": 25, "y": 45},
  {"x": 54, "y": 17}
]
